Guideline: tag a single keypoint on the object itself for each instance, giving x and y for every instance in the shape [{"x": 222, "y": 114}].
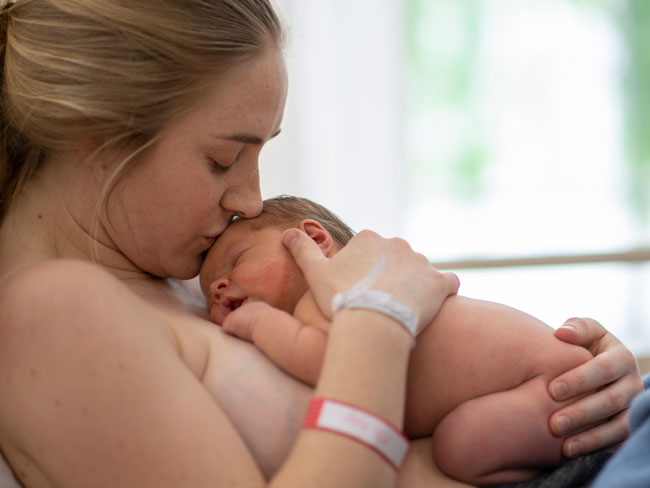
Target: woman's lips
[{"x": 210, "y": 238}]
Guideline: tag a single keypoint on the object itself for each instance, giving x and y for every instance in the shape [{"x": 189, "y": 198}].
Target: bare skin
[
  {"x": 110, "y": 377},
  {"x": 261, "y": 406},
  {"x": 477, "y": 377},
  {"x": 233, "y": 275}
]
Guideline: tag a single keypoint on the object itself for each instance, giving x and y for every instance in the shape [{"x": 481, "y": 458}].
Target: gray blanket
[{"x": 577, "y": 473}]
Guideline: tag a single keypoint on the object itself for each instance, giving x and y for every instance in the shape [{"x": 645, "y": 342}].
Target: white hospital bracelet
[
  {"x": 360, "y": 425},
  {"x": 361, "y": 296}
]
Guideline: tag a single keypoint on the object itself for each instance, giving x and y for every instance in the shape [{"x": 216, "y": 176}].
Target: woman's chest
[{"x": 265, "y": 405}]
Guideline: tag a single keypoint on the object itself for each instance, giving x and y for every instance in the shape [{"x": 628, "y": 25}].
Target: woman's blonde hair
[{"x": 114, "y": 72}]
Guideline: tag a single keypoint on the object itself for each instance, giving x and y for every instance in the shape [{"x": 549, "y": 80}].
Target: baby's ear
[{"x": 319, "y": 235}]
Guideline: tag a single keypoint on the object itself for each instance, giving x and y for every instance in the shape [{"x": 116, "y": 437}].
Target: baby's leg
[{"x": 491, "y": 439}]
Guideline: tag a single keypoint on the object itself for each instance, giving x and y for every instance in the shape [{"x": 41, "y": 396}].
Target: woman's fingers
[
  {"x": 581, "y": 332},
  {"x": 388, "y": 265},
  {"x": 601, "y": 436},
  {"x": 593, "y": 408},
  {"x": 606, "y": 367},
  {"x": 587, "y": 333},
  {"x": 608, "y": 384},
  {"x": 452, "y": 282},
  {"x": 612, "y": 362},
  {"x": 304, "y": 250},
  {"x": 312, "y": 262}
]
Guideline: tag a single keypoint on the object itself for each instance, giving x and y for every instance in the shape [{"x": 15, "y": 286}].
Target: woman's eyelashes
[
  {"x": 227, "y": 156},
  {"x": 219, "y": 167}
]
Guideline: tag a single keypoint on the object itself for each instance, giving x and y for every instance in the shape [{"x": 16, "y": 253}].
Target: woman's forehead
[{"x": 249, "y": 99}]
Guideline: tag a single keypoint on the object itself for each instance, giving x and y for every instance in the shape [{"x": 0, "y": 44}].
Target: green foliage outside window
[
  {"x": 635, "y": 26},
  {"x": 443, "y": 39},
  {"x": 441, "y": 79}
]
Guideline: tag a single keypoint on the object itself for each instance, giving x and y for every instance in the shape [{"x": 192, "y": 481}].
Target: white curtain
[{"x": 341, "y": 136}]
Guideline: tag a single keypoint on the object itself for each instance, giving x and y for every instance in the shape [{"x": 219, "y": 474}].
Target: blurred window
[{"x": 527, "y": 133}]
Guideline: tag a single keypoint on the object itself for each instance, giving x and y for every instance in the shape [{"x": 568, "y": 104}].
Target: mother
[{"x": 131, "y": 134}]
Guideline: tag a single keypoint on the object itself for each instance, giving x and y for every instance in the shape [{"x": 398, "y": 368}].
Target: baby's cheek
[{"x": 280, "y": 285}]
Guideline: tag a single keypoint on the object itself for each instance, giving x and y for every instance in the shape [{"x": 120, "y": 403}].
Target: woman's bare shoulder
[
  {"x": 80, "y": 352},
  {"x": 52, "y": 277},
  {"x": 63, "y": 298},
  {"x": 40, "y": 291}
]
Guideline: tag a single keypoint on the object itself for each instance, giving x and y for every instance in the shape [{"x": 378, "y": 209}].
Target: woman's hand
[
  {"x": 613, "y": 379},
  {"x": 406, "y": 275}
]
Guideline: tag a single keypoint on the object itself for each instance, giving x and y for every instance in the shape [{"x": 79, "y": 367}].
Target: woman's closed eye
[{"x": 219, "y": 167}]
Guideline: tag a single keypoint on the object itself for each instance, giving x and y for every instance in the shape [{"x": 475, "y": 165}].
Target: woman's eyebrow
[{"x": 248, "y": 138}]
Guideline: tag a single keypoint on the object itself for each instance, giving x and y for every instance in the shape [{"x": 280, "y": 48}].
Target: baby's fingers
[{"x": 241, "y": 322}]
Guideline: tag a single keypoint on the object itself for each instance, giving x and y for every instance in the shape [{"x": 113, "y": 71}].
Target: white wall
[{"x": 342, "y": 125}]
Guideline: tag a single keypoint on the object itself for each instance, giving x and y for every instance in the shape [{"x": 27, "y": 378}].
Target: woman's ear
[{"x": 319, "y": 235}]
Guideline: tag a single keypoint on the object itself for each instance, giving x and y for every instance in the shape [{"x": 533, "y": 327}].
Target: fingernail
[
  {"x": 457, "y": 279},
  {"x": 569, "y": 325},
  {"x": 559, "y": 390},
  {"x": 575, "y": 448},
  {"x": 289, "y": 238},
  {"x": 562, "y": 424}
]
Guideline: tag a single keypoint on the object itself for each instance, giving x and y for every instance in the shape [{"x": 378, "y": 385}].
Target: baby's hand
[{"x": 241, "y": 322}]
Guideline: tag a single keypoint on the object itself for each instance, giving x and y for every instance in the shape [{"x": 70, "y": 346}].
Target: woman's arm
[
  {"x": 613, "y": 377},
  {"x": 367, "y": 352},
  {"x": 94, "y": 392},
  {"x": 420, "y": 470}
]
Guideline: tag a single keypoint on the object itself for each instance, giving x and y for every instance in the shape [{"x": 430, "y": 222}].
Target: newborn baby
[{"x": 478, "y": 375}]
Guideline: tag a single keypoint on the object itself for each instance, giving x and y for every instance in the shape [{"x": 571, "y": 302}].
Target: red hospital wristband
[{"x": 360, "y": 425}]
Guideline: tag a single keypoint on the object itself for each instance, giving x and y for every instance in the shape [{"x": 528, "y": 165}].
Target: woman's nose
[{"x": 244, "y": 199}]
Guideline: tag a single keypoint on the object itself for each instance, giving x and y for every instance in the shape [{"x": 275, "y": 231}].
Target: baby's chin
[{"x": 216, "y": 314}]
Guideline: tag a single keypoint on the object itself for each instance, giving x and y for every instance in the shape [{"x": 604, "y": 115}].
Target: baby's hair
[{"x": 288, "y": 211}]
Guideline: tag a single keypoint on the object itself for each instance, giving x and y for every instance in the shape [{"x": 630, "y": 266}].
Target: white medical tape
[
  {"x": 361, "y": 296},
  {"x": 359, "y": 425}
]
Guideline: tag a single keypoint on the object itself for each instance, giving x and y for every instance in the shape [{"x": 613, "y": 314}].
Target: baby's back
[
  {"x": 474, "y": 348},
  {"x": 478, "y": 381}
]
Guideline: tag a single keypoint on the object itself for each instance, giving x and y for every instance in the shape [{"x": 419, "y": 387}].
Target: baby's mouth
[{"x": 234, "y": 303}]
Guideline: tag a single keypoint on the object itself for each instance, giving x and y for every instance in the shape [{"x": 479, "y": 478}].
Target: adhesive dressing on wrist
[
  {"x": 361, "y": 296},
  {"x": 360, "y": 425}
]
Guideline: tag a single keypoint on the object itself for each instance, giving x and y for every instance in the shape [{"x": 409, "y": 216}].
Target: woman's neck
[{"x": 53, "y": 217}]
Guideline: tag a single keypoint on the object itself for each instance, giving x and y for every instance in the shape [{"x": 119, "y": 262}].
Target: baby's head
[
  {"x": 249, "y": 262},
  {"x": 286, "y": 212}
]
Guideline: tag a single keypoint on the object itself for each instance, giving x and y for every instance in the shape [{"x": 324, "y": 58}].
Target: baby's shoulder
[{"x": 308, "y": 312}]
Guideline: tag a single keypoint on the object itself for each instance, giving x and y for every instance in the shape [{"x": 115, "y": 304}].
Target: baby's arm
[{"x": 295, "y": 347}]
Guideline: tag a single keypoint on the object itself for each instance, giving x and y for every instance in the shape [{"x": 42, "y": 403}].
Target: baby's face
[{"x": 247, "y": 264}]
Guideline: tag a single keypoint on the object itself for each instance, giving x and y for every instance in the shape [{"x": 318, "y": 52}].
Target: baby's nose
[{"x": 218, "y": 287}]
